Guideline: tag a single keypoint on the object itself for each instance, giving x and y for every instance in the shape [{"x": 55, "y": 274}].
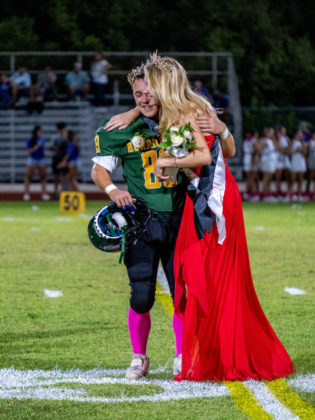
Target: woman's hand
[
  {"x": 123, "y": 120},
  {"x": 209, "y": 123},
  {"x": 160, "y": 165}
]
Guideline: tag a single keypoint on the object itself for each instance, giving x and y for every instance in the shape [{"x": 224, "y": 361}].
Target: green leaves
[{"x": 179, "y": 138}]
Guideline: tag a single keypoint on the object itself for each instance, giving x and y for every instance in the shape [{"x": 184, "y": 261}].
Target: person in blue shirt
[
  {"x": 35, "y": 161},
  {"x": 5, "y": 91},
  {"x": 71, "y": 161},
  {"x": 21, "y": 83}
]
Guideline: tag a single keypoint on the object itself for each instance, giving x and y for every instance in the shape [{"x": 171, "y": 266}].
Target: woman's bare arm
[
  {"x": 199, "y": 156},
  {"x": 122, "y": 121}
]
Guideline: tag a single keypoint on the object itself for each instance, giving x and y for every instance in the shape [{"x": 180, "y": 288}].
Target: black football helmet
[{"x": 115, "y": 228}]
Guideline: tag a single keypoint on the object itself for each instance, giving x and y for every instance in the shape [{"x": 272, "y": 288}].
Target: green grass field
[{"x": 86, "y": 328}]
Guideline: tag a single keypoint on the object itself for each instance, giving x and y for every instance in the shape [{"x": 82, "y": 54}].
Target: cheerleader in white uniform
[
  {"x": 311, "y": 164},
  {"x": 283, "y": 164},
  {"x": 248, "y": 164},
  {"x": 268, "y": 162},
  {"x": 298, "y": 164}
]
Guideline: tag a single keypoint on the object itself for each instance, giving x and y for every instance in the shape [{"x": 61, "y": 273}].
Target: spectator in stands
[
  {"x": 47, "y": 84},
  {"x": 298, "y": 165},
  {"x": 99, "y": 69},
  {"x": 201, "y": 90},
  {"x": 5, "y": 92},
  {"x": 77, "y": 82},
  {"x": 59, "y": 145},
  {"x": 44, "y": 89},
  {"x": 311, "y": 164},
  {"x": 35, "y": 161},
  {"x": 35, "y": 101},
  {"x": 71, "y": 161},
  {"x": 21, "y": 83}
]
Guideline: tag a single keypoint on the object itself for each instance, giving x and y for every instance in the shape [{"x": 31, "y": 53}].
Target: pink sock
[
  {"x": 139, "y": 329},
  {"x": 178, "y": 330}
]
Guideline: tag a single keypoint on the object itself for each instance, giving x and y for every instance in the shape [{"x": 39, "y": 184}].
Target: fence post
[
  {"x": 214, "y": 71},
  {"x": 12, "y": 63},
  {"x": 116, "y": 95}
]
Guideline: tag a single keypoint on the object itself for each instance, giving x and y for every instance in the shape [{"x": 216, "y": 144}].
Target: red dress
[{"x": 226, "y": 333}]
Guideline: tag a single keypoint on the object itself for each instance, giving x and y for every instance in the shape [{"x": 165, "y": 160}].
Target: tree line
[{"x": 272, "y": 41}]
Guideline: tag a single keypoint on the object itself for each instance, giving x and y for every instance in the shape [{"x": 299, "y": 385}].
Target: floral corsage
[{"x": 138, "y": 140}]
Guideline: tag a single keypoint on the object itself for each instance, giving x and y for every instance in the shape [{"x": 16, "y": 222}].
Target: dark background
[{"x": 272, "y": 41}]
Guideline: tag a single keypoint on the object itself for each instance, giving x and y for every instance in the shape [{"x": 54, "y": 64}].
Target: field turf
[{"x": 86, "y": 328}]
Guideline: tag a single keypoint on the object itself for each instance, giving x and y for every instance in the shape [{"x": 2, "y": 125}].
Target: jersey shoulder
[{"x": 112, "y": 142}]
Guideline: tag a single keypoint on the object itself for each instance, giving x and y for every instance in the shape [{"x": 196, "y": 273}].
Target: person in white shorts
[
  {"x": 298, "y": 164},
  {"x": 283, "y": 164},
  {"x": 268, "y": 162},
  {"x": 248, "y": 145}
]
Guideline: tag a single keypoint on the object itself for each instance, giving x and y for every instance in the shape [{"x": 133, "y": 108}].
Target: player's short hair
[{"x": 135, "y": 74}]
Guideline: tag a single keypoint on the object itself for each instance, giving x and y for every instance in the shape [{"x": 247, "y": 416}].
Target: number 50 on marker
[{"x": 72, "y": 202}]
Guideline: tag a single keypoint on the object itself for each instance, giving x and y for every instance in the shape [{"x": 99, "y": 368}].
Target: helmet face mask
[{"x": 112, "y": 228}]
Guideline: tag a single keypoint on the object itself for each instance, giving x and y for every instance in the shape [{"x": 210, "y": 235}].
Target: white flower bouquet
[{"x": 177, "y": 142}]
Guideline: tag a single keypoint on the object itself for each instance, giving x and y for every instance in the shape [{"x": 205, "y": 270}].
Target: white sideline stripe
[
  {"x": 35, "y": 229},
  {"x": 35, "y": 208},
  {"x": 63, "y": 219},
  {"x": 9, "y": 219},
  {"x": 85, "y": 216},
  {"x": 268, "y": 402},
  {"x": 53, "y": 293},
  {"x": 294, "y": 291},
  {"x": 303, "y": 383},
  {"x": 259, "y": 228}
]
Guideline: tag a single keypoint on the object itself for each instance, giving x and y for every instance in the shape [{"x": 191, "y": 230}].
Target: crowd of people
[
  {"x": 278, "y": 167},
  {"x": 20, "y": 90},
  {"x": 65, "y": 160}
]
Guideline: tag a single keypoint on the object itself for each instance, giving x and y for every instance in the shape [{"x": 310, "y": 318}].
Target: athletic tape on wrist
[
  {"x": 110, "y": 188},
  {"x": 224, "y": 134}
]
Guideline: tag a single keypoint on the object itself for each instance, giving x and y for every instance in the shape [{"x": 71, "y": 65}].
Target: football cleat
[{"x": 139, "y": 367}]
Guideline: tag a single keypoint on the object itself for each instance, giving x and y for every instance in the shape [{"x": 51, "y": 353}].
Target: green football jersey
[{"x": 138, "y": 166}]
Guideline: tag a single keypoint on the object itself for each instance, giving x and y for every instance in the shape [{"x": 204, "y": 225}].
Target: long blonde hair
[{"x": 168, "y": 82}]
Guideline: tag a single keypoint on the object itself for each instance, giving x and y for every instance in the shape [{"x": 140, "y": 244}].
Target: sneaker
[
  {"x": 45, "y": 197},
  {"x": 26, "y": 197},
  {"x": 177, "y": 365},
  {"x": 139, "y": 367}
]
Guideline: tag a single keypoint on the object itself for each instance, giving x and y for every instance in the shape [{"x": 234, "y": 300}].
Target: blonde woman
[{"x": 226, "y": 334}]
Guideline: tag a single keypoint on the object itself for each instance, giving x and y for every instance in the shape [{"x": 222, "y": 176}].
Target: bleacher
[{"x": 16, "y": 126}]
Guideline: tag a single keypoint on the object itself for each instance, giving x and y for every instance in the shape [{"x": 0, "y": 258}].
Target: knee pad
[{"x": 142, "y": 296}]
